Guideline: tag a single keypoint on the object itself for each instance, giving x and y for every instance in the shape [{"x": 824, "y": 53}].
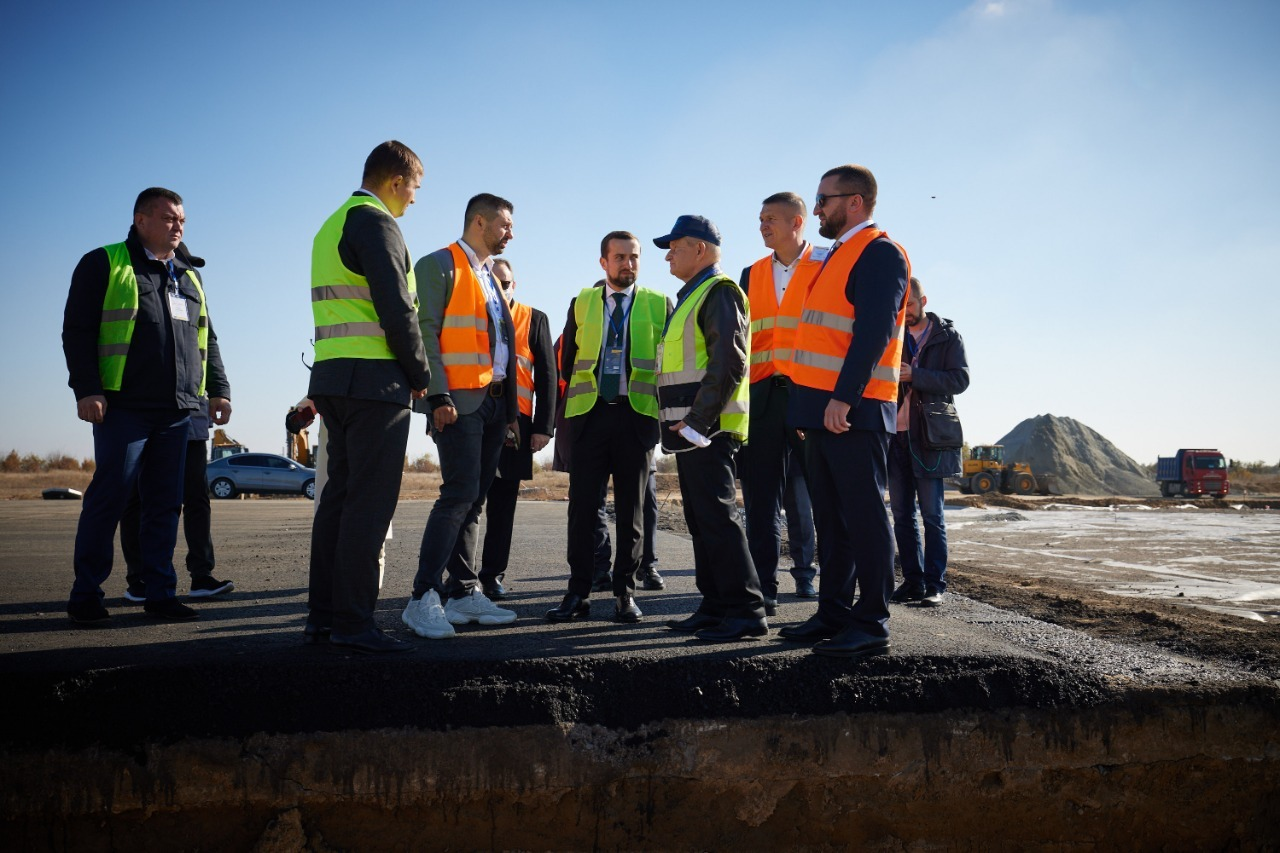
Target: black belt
[
  {"x": 621, "y": 398},
  {"x": 780, "y": 381},
  {"x": 497, "y": 389}
]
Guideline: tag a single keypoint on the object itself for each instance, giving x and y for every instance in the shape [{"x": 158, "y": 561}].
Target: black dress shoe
[
  {"x": 853, "y": 643},
  {"x": 573, "y": 607},
  {"x": 770, "y": 606},
  {"x": 810, "y": 631},
  {"x": 314, "y": 635},
  {"x": 88, "y": 613},
  {"x": 907, "y": 592},
  {"x": 651, "y": 580},
  {"x": 696, "y": 622},
  {"x": 734, "y": 628},
  {"x": 494, "y": 591},
  {"x": 171, "y": 609},
  {"x": 372, "y": 641},
  {"x": 602, "y": 583},
  {"x": 625, "y": 610}
]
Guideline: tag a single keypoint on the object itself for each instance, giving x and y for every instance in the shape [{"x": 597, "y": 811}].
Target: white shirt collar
[
  {"x": 363, "y": 191},
  {"x": 804, "y": 247},
  {"x": 152, "y": 256},
  {"x": 848, "y": 235},
  {"x": 626, "y": 291},
  {"x": 476, "y": 263}
]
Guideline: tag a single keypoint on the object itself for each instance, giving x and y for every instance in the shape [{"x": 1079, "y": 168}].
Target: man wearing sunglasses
[
  {"x": 844, "y": 369},
  {"x": 536, "y": 399}
]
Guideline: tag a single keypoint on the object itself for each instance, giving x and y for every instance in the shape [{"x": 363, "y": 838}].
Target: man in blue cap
[{"x": 702, "y": 398}]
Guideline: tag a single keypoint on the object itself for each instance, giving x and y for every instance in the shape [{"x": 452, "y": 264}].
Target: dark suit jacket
[
  {"x": 435, "y": 274},
  {"x": 517, "y": 462},
  {"x": 876, "y": 287},
  {"x": 646, "y": 428}
]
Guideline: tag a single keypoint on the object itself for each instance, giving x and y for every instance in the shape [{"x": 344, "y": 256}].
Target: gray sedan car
[{"x": 259, "y": 473}]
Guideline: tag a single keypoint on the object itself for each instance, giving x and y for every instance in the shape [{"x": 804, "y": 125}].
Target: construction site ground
[{"x": 1074, "y": 637}]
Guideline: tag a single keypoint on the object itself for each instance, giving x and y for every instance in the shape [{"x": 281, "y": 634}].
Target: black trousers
[
  {"x": 604, "y": 546},
  {"x": 763, "y": 468},
  {"x": 499, "y": 520},
  {"x": 367, "y": 441},
  {"x": 722, "y": 565},
  {"x": 196, "y": 522},
  {"x": 607, "y": 447},
  {"x": 847, "y": 474}
]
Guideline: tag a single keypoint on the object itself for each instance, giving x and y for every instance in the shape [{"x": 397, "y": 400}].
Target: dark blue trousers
[
  {"x": 847, "y": 475},
  {"x": 469, "y": 448},
  {"x": 146, "y": 450}
]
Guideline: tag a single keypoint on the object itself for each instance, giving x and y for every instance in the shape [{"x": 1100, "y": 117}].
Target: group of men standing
[{"x": 802, "y": 360}]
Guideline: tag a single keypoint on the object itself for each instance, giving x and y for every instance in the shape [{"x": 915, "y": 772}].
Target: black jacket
[
  {"x": 517, "y": 462},
  {"x": 163, "y": 367},
  {"x": 372, "y": 246},
  {"x": 941, "y": 372}
]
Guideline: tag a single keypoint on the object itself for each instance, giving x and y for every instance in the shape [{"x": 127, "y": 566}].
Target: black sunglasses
[{"x": 822, "y": 199}]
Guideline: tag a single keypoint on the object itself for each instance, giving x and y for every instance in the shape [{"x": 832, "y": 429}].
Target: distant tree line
[{"x": 33, "y": 464}]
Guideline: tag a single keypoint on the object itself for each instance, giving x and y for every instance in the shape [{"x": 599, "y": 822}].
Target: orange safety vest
[
  {"x": 773, "y": 327},
  {"x": 521, "y": 315},
  {"x": 827, "y": 327},
  {"x": 464, "y": 335}
]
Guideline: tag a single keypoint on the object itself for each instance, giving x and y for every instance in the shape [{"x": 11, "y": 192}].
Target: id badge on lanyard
[{"x": 177, "y": 303}]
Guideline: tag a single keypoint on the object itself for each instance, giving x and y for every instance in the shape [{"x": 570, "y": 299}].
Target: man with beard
[
  {"x": 844, "y": 370},
  {"x": 536, "y": 384},
  {"x": 609, "y": 354},
  {"x": 471, "y": 405},
  {"x": 771, "y": 462},
  {"x": 934, "y": 370},
  {"x": 703, "y": 394}
]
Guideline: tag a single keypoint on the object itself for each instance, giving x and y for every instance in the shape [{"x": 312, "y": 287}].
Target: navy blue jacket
[
  {"x": 941, "y": 372},
  {"x": 876, "y": 288},
  {"x": 162, "y": 370}
]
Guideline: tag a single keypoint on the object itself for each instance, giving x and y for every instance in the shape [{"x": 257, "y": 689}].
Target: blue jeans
[
  {"x": 139, "y": 449},
  {"x": 926, "y": 562}
]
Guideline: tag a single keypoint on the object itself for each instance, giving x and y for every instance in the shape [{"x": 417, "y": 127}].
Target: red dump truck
[{"x": 1193, "y": 473}]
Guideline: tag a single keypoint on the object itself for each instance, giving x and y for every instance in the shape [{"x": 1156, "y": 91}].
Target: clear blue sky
[{"x": 1089, "y": 190}]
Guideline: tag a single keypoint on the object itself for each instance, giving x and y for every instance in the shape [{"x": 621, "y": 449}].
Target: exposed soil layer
[{"x": 1159, "y": 771}]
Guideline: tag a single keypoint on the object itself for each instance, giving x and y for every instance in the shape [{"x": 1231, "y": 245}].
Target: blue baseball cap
[{"x": 697, "y": 227}]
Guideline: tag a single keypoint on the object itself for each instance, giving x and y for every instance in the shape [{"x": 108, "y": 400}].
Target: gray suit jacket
[{"x": 435, "y": 275}]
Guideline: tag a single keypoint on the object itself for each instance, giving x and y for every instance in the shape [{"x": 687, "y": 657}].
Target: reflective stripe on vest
[
  {"x": 120, "y": 313},
  {"x": 773, "y": 326},
  {"x": 464, "y": 335},
  {"x": 346, "y": 321},
  {"x": 645, "y": 320},
  {"x": 520, "y": 317},
  {"x": 682, "y": 364},
  {"x": 827, "y": 324}
]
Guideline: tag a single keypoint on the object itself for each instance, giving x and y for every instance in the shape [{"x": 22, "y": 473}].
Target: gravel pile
[{"x": 1086, "y": 462}]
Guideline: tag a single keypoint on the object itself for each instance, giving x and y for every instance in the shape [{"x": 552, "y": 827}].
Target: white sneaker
[
  {"x": 425, "y": 617},
  {"x": 476, "y": 607}
]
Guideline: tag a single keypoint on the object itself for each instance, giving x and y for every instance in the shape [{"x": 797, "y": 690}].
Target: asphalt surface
[{"x": 242, "y": 668}]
